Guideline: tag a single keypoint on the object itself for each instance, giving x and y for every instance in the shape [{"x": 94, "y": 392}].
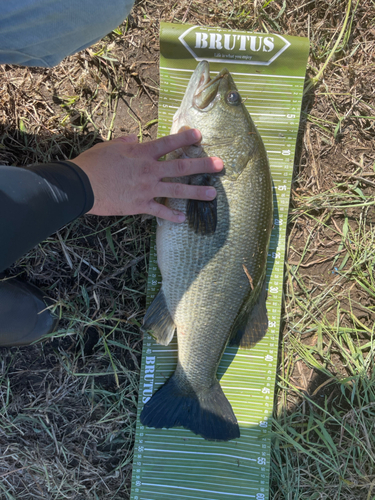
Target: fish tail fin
[{"x": 207, "y": 413}]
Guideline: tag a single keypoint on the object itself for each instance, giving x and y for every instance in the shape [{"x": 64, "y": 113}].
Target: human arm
[
  {"x": 126, "y": 176},
  {"x": 36, "y": 201},
  {"x": 112, "y": 178}
]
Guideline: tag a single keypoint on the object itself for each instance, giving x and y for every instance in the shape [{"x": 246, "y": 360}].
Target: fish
[{"x": 213, "y": 265}]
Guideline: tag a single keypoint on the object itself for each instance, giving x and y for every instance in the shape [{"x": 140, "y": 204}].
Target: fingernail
[
  {"x": 195, "y": 134},
  {"x": 218, "y": 163},
  {"x": 180, "y": 217},
  {"x": 211, "y": 193}
]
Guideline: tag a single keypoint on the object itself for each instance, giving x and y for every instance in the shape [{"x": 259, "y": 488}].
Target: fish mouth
[
  {"x": 207, "y": 90},
  {"x": 201, "y": 94}
]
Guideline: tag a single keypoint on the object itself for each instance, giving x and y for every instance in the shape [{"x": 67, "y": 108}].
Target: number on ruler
[{"x": 261, "y": 461}]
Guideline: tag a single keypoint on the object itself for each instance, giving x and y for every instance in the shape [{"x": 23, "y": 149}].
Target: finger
[
  {"x": 189, "y": 166},
  {"x": 185, "y": 191},
  {"x": 164, "y": 212},
  {"x": 169, "y": 143}
]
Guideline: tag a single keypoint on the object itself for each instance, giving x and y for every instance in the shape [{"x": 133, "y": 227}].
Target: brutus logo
[
  {"x": 250, "y": 43},
  {"x": 217, "y": 45},
  {"x": 148, "y": 383}
]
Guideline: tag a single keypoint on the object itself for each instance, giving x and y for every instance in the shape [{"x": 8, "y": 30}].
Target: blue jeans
[{"x": 43, "y": 32}]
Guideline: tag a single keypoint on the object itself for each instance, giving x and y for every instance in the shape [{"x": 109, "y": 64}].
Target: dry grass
[{"x": 68, "y": 405}]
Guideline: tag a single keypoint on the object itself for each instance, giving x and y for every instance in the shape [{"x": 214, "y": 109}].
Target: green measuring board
[{"x": 269, "y": 71}]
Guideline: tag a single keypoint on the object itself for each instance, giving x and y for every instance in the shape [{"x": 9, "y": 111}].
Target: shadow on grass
[{"x": 323, "y": 428}]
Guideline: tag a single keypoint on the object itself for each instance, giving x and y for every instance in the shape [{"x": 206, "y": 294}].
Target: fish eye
[{"x": 233, "y": 97}]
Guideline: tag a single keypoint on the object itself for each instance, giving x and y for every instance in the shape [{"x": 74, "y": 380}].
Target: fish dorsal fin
[
  {"x": 202, "y": 215},
  {"x": 158, "y": 321},
  {"x": 251, "y": 323}
]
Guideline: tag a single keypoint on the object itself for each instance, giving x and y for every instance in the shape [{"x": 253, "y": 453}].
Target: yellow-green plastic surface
[{"x": 269, "y": 71}]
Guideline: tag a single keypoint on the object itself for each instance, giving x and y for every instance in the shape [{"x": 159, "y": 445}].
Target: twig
[
  {"x": 315, "y": 80},
  {"x": 13, "y": 471},
  {"x": 119, "y": 271},
  {"x": 319, "y": 261},
  {"x": 109, "y": 135},
  {"x": 248, "y": 276},
  {"x": 359, "y": 178}
]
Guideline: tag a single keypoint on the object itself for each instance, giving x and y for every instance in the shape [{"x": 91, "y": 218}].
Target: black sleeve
[{"x": 37, "y": 201}]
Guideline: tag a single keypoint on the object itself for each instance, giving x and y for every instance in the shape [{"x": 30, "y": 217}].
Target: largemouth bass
[{"x": 213, "y": 265}]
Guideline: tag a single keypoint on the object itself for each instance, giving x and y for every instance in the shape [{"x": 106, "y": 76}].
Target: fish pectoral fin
[
  {"x": 251, "y": 323},
  {"x": 158, "y": 321},
  {"x": 202, "y": 215}
]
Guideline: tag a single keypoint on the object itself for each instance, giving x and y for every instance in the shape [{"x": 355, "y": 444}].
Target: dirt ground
[{"x": 67, "y": 422}]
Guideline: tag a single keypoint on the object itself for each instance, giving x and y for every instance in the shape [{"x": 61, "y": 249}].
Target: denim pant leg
[{"x": 43, "y": 32}]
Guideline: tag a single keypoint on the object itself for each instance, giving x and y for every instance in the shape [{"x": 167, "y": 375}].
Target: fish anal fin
[
  {"x": 251, "y": 323},
  {"x": 158, "y": 321},
  {"x": 202, "y": 215}
]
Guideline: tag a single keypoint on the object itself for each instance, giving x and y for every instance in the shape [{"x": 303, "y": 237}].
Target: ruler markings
[
  {"x": 210, "y": 469},
  {"x": 202, "y": 483},
  {"x": 209, "y": 461},
  {"x": 201, "y": 453},
  {"x": 199, "y": 489},
  {"x": 187, "y": 444},
  {"x": 185, "y": 496},
  {"x": 166, "y": 494},
  {"x": 251, "y": 394}
]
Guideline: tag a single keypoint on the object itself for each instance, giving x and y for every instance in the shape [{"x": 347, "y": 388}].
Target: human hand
[{"x": 126, "y": 176}]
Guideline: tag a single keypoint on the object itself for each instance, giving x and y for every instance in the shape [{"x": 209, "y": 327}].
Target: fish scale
[{"x": 224, "y": 277}]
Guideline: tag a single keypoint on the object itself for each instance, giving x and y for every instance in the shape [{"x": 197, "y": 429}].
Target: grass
[
  {"x": 68, "y": 406},
  {"x": 324, "y": 423},
  {"x": 324, "y": 427}
]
